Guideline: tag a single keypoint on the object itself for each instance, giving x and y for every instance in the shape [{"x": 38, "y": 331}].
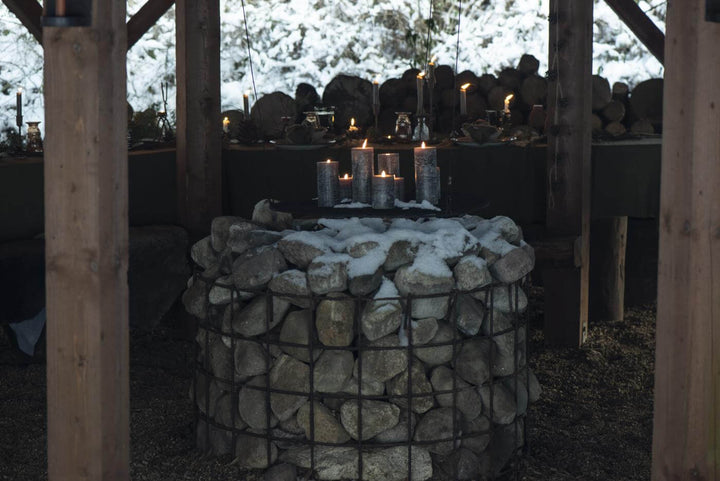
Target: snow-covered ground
[{"x": 311, "y": 41}]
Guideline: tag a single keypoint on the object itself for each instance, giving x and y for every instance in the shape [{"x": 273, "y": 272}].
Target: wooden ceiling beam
[
  {"x": 144, "y": 19},
  {"x": 29, "y": 13},
  {"x": 644, "y": 29}
]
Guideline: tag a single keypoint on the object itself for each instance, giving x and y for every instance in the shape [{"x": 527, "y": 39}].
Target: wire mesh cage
[{"x": 366, "y": 388}]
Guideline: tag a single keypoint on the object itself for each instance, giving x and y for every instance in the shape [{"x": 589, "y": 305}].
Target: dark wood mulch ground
[{"x": 593, "y": 422}]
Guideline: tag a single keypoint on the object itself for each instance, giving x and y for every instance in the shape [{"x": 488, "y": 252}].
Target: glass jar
[
  {"x": 403, "y": 126},
  {"x": 34, "y": 138},
  {"x": 311, "y": 119}
]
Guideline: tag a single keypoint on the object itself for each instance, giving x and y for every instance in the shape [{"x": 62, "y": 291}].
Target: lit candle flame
[
  {"x": 509, "y": 98},
  {"x": 346, "y": 177},
  {"x": 364, "y": 144},
  {"x": 328, "y": 161},
  {"x": 226, "y": 122},
  {"x": 432, "y": 60},
  {"x": 389, "y": 137},
  {"x": 383, "y": 174},
  {"x": 19, "y": 90},
  {"x": 377, "y": 80},
  {"x": 421, "y": 75},
  {"x": 422, "y": 146},
  {"x": 246, "y": 94},
  {"x": 464, "y": 87},
  {"x": 352, "y": 122}
]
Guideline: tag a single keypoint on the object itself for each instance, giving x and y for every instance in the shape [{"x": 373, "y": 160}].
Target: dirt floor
[{"x": 593, "y": 422}]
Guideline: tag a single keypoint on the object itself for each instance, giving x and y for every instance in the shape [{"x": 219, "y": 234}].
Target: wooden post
[
  {"x": 86, "y": 235},
  {"x": 199, "y": 127},
  {"x": 686, "y": 435},
  {"x": 608, "y": 241},
  {"x": 568, "y": 167}
]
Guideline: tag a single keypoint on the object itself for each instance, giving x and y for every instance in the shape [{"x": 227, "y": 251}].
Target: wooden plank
[
  {"x": 199, "y": 127},
  {"x": 686, "y": 433},
  {"x": 644, "y": 29},
  {"x": 145, "y": 18},
  {"x": 86, "y": 232},
  {"x": 608, "y": 241},
  {"x": 29, "y": 13},
  {"x": 568, "y": 165}
]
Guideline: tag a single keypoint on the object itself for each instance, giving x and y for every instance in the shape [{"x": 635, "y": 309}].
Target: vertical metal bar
[
  {"x": 269, "y": 302},
  {"x": 408, "y": 329},
  {"x": 356, "y": 320}
]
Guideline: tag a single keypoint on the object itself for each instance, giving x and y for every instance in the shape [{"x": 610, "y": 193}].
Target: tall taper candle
[
  {"x": 246, "y": 104},
  {"x": 389, "y": 162},
  {"x": 383, "y": 191},
  {"x": 463, "y": 99},
  {"x": 420, "y": 85},
  {"x": 362, "y": 171},
  {"x": 328, "y": 187},
  {"x": 427, "y": 176},
  {"x": 376, "y": 93},
  {"x": 19, "y": 116}
]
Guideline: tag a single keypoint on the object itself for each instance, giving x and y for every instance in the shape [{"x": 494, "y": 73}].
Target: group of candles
[{"x": 380, "y": 190}]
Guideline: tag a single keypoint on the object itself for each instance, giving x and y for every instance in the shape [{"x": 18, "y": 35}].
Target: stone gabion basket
[{"x": 365, "y": 349}]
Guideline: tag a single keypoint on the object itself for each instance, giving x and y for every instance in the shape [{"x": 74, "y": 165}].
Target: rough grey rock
[
  {"x": 223, "y": 413},
  {"x": 275, "y": 220},
  {"x": 435, "y": 425},
  {"x": 504, "y": 299},
  {"x": 297, "y": 329},
  {"x": 195, "y": 299},
  {"x": 294, "y": 283},
  {"x": 250, "y": 359},
  {"x": 281, "y": 472},
  {"x": 220, "y": 358},
  {"x": 380, "y": 318},
  {"x": 327, "y": 428},
  {"x": 381, "y": 365},
  {"x": 401, "y": 253},
  {"x": 528, "y": 388},
  {"x": 512, "y": 267},
  {"x": 359, "y": 249},
  {"x": 471, "y": 272},
  {"x": 334, "y": 320},
  {"x": 203, "y": 254},
  {"x": 399, "y": 433},
  {"x": 369, "y": 388},
  {"x": 478, "y": 432},
  {"x": 220, "y": 295},
  {"x": 242, "y": 240},
  {"x": 423, "y": 330},
  {"x": 472, "y": 362},
  {"x": 252, "y": 319},
  {"x": 220, "y": 230},
  {"x": 251, "y": 452},
  {"x": 298, "y": 252},
  {"x": 467, "y": 399},
  {"x": 469, "y": 314},
  {"x": 252, "y": 402},
  {"x": 462, "y": 463},
  {"x": 507, "y": 229},
  {"x": 415, "y": 282},
  {"x": 504, "y": 407},
  {"x": 291, "y": 426},
  {"x": 285, "y": 439},
  {"x": 506, "y": 440},
  {"x": 365, "y": 284},
  {"x": 257, "y": 271},
  {"x": 328, "y": 275},
  {"x": 388, "y": 464},
  {"x": 432, "y": 356},
  {"x": 508, "y": 353},
  {"x": 420, "y": 385},
  {"x": 377, "y": 416},
  {"x": 332, "y": 370},
  {"x": 220, "y": 440},
  {"x": 288, "y": 374}
]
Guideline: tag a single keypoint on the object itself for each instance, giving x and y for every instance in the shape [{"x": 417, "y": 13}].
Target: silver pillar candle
[
  {"x": 328, "y": 187},
  {"x": 383, "y": 191},
  {"x": 427, "y": 174},
  {"x": 400, "y": 188},
  {"x": 389, "y": 162},
  {"x": 346, "y": 187},
  {"x": 362, "y": 171}
]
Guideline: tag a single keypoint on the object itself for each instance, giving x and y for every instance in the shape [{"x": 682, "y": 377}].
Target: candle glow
[
  {"x": 422, "y": 146},
  {"x": 226, "y": 124},
  {"x": 346, "y": 176},
  {"x": 507, "y": 102},
  {"x": 383, "y": 174},
  {"x": 364, "y": 145},
  {"x": 464, "y": 87}
]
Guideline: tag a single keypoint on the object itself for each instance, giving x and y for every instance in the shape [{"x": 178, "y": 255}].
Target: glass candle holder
[
  {"x": 403, "y": 126},
  {"x": 34, "y": 138}
]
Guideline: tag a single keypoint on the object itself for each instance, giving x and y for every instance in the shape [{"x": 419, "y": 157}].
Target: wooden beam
[
  {"x": 644, "y": 29},
  {"x": 568, "y": 166},
  {"x": 145, "y": 18},
  {"x": 686, "y": 434},
  {"x": 29, "y": 13},
  {"x": 86, "y": 235},
  {"x": 199, "y": 127}
]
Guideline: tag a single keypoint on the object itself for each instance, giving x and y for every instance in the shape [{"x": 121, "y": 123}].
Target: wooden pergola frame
[{"x": 87, "y": 233}]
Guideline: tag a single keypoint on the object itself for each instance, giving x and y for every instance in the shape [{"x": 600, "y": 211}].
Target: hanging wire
[{"x": 247, "y": 40}]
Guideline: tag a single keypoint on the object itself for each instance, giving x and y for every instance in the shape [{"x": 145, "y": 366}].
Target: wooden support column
[
  {"x": 199, "y": 127},
  {"x": 28, "y": 12},
  {"x": 86, "y": 235},
  {"x": 608, "y": 241},
  {"x": 686, "y": 435},
  {"x": 568, "y": 167}
]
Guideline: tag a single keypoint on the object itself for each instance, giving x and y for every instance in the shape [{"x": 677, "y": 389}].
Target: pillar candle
[
  {"x": 389, "y": 162},
  {"x": 400, "y": 188},
  {"x": 383, "y": 191},
  {"x": 346, "y": 187},
  {"x": 463, "y": 99},
  {"x": 420, "y": 84},
  {"x": 362, "y": 171},
  {"x": 328, "y": 187},
  {"x": 427, "y": 178}
]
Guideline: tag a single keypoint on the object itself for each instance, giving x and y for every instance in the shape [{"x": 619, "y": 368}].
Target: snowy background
[{"x": 311, "y": 41}]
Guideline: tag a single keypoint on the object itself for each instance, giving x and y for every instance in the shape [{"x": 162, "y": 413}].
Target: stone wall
[{"x": 423, "y": 320}]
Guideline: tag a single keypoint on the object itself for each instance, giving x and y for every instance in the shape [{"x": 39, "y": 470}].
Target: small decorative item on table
[
  {"x": 383, "y": 191},
  {"x": 328, "y": 186},
  {"x": 34, "y": 138},
  {"x": 463, "y": 99},
  {"x": 403, "y": 126},
  {"x": 346, "y": 183},
  {"x": 427, "y": 175},
  {"x": 389, "y": 162},
  {"x": 353, "y": 132},
  {"x": 362, "y": 171}
]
